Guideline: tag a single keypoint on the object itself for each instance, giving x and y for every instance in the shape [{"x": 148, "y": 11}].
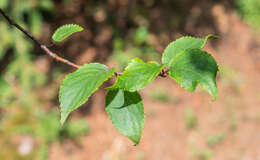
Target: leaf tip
[
  {"x": 62, "y": 122},
  {"x": 63, "y": 118},
  {"x": 214, "y": 97},
  {"x": 136, "y": 140},
  {"x": 111, "y": 88},
  {"x": 136, "y": 144},
  {"x": 211, "y": 36}
]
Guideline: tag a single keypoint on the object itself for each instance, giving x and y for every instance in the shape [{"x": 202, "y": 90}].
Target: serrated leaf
[
  {"x": 126, "y": 111},
  {"x": 182, "y": 44},
  {"x": 65, "y": 31},
  {"x": 194, "y": 66},
  {"x": 79, "y": 85},
  {"x": 137, "y": 75}
]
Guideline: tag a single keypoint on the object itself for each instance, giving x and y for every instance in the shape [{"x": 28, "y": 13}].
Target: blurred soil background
[{"x": 179, "y": 125}]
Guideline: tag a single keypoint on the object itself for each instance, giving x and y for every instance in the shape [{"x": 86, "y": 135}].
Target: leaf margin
[
  {"x": 63, "y": 118},
  {"x": 136, "y": 141},
  {"x": 126, "y": 71},
  {"x": 165, "y": 60},
  {"x": 58, "y": 36},
  {"x": 192, "y": 89}
]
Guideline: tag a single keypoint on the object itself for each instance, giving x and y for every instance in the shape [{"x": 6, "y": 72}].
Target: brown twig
[
  {"x": 42, "y": 46},
  {"x": 164, "y": 72},
  {"x": 118, "y": 74}
]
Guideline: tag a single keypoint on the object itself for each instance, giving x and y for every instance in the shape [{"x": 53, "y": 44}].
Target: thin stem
[
  {"x": 42, "y": 46},
  {"x": 164, "y": 72}
]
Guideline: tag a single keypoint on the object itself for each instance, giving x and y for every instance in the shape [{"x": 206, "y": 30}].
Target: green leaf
[
  {"x": 126, "y": 111},
  {"x": 35, "y": 19},
  {"x": 65, "y": 31},
  {"x": 194, "y": 66},
  {"x": 182, "y": 44},
  {"x": 79, "y": 85},
  {"x": 137, "y": 75}
]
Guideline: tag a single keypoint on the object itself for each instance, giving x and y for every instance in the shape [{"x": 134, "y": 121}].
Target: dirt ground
[{"x": 236, "y": 112}]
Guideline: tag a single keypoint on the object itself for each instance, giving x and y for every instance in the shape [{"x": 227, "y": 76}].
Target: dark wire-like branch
[
  {"x": 42, "y": 46},
  {"x": 164, "y": 73}
]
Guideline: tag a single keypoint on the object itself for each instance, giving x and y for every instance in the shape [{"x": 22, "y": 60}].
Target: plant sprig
[{"x": 183, "y": 60}]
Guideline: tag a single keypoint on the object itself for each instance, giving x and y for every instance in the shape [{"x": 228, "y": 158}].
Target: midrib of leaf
[
  {"x": 95, "y": 73},
  {"x": 69, "y": 29},
  {"x": 136, "y": 128},
  {"x": 189, "y": 70}
]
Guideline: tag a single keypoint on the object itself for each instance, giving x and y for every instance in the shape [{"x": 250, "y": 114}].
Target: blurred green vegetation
[
  {"x": 21, "y": 71},
  {"x": 215, "y": 139},
  {"x": 137, "y": 44},
  {"x": 204, "y": 154},
  {"x": 159, "y": 94},
  {"x": 250, "y": 12},
  {"x": 23, "y": 108},
  {"x": 190, "y": 119},
  {"x": 42, "y": 126}
]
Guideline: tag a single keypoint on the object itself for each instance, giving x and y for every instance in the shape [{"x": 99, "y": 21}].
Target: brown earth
[{"x": 236, "y": 112}]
